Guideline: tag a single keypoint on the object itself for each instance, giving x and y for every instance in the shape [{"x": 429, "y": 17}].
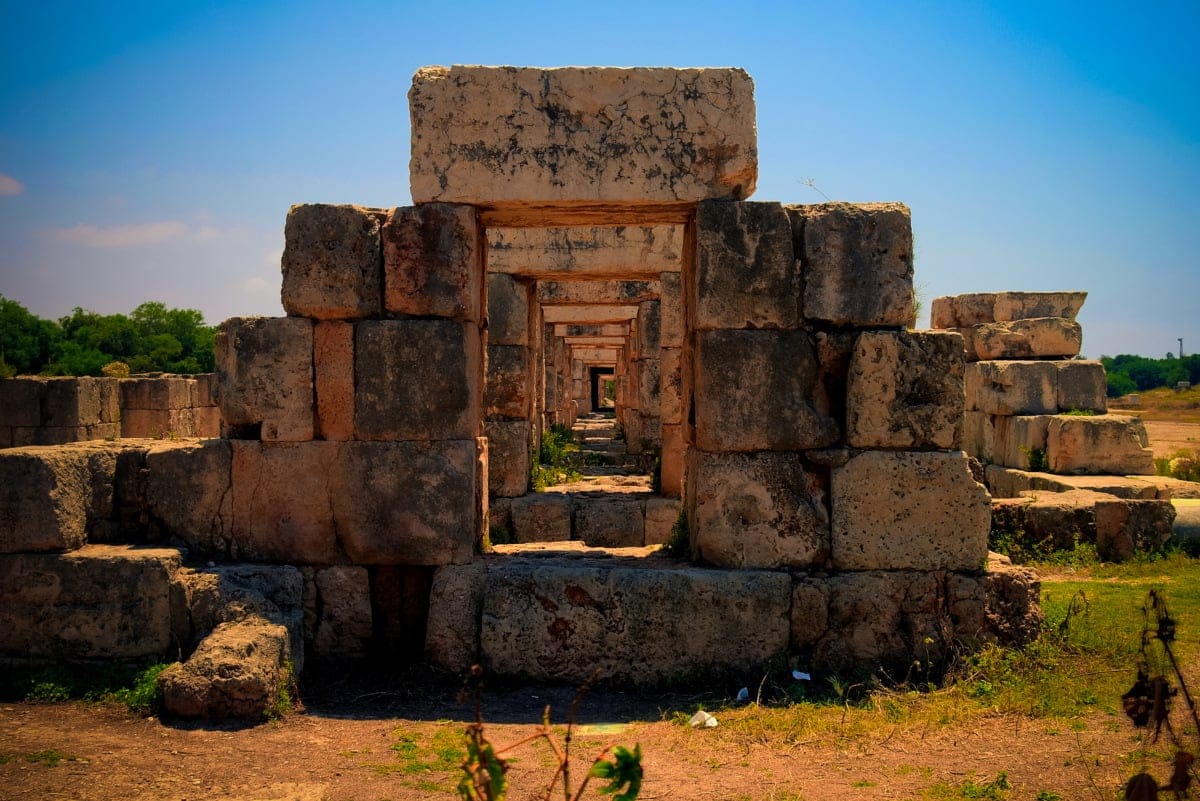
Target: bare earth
[
  {"x": 329, "y": 753},
  {"x": 1167, "y": 438}
]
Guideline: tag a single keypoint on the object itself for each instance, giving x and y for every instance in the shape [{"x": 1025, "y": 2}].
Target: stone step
[{"x": 611, "y": 514}]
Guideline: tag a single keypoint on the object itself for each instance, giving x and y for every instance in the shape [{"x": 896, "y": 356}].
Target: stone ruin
[{"x": 565, "y": 221}]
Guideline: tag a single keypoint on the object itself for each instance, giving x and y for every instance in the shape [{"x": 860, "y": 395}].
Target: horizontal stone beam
[
  {"x": 592, "y": 330},
  {"x": 602, "y": 342},
  {"x": 612, "y": 252},
  {"x": 553, "y": 293},
  {"x": 589, "y": 314},
  {"x": 591, "y": 355}
]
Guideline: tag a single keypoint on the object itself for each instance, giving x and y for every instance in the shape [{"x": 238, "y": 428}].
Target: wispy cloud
[
  {"x": 258, "y": 286},
  {"x": 133, "y": 234},
  {"x": 10, "y": 186}
]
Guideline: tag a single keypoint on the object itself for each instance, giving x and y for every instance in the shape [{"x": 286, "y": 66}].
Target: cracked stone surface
[{"x": 635, "y": 252}]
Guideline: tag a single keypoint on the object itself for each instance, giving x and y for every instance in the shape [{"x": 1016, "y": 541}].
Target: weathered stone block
[
  {"x": 455, "y": 605},
  {"x": 508, "y": 457},
  {"x": 754, "y": 391},
  {"x": 333, "y": 372},
  {"x": 857, "y": 262},
  {"x": 1058, "y": 519},
  {"x": 756, "y": 510},
  {"x": 585, "y": 292},
  {"x": 673, "y": 460},
  {"x": 558, "y": 620},
  {"x": 100, "y": 602},
  {"x": 417, "y": 380},
  {"x": 628, "y": 254},
  {"x": 1002, "y": 605},
  {"x": 976, "y": 308},
  {"x": 508, "y": 310},
  {"x": 1021, "y": 441},
  {"x": 345, "y": 626},
  {"x": 188, "y": 494},
  {"x": 1012, "y": 387},
  {"x": 608, "y": 523},
  {"x": 908, "y": 511},
  {"x": 236, "y": 672},
  {"x": 332, "y": 263},
  {"x": 746, "y": 273},
  {"x": 661, "y": 516},
  {"x": 670, "y": 396},
  {"x": 1082, "y": 386},
  {"x": 905, "y": 390},
  {"x": 509, "y": 390},
  {"x": 979, "y": 436},
  {"x": 649, "y": 328},
  {"x": 1033, "y": 338},
  {"x": 265, "y": 386},
  {"x": 20, "y": 402},
  {"x": 71, "y": 402},
  {"x": 670, "y": 310},
  {"x": 541, "y": 517},
  {"x": 648, "y": 386},
  {"x": 494, "y": 135},
  {"x": 1107, "y": 443},
  {"x": 158, "y": 423},
  {"x": 433, "y": 262},
  {"x": 1126, "y": 526}
]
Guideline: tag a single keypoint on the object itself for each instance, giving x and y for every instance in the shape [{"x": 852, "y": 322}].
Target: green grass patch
[
  {"x": 432, "y": 762},
  {"x": 50, "y": 757},
  {"x": 996, "y": 789},
  {"x": 556, "y": 456},
  {"x": 134, "y": 686}
]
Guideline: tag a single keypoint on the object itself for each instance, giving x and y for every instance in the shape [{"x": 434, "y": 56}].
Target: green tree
[{"x": 26, "y": 341}]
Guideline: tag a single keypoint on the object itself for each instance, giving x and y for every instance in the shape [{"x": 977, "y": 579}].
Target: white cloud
[
  {"x": 258, "y": 286},
  {"x": 272, "y": 257},
  {"x": 10, "y": 186},
  {"x": 116, "y": 236}
]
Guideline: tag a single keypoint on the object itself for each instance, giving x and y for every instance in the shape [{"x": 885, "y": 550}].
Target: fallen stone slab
[
  {"x": 1035, "y": 338},
  {"x": 1005, "y": 482},
  {"x": 975, "y": 308},
  {"x": 238, "y": 671}
]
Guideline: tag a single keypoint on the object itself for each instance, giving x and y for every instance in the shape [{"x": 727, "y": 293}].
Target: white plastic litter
[
  {"x": 744, "y": 694},
  {"x": 798, "y": 676},
  {"x": 703, "y": 720}
]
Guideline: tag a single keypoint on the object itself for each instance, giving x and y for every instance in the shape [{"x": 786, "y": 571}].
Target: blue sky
[{"x": 150, "y": 151}]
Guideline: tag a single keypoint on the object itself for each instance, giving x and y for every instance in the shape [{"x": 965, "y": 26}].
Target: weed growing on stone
[
  {"x": 553, "y": 465},
  {"x": 287, "y": 695},
  {"x": 679, "y": 543}
]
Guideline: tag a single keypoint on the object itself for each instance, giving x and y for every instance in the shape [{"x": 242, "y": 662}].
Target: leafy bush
[{"x": 1181, "y": 464}]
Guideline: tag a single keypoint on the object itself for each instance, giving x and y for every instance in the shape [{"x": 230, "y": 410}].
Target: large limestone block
[
  {"x": 609, "y": 523},
  {"x": 1002, "y": 605},
  {"x": 558, "y": 620},
  {"x": 1082, "y": 386},
  {"x": 508, "y": 302},
  {"x": 592, "y": 292},
  {"x": 496, "y": 135},
  {"x": 624, "y": 256},
  {"x": 265, "y": 377},
  {"x": 1021, "y": 441},
  {"x": 409, "y": 503},
  {"x": 649, "y": 379},
  {"x": 188, "y": 495},
  {"x": 417, "y": 380},
  {"x": 166, "y": 392},
  {"x": 649, "y": 328},
  {"x": 905, "y": 390},
  {"x": 509, "y": 391},
  {"x": 508, "y": 457},
  {"x": 976, "y": 308},
  {"x": 670, "y": 395},
  {"x": 858, "y": 263},
  {"x": 541, "y": 517},
  {"x": 1033, "y": 338},
  {"x": 333, "y": 374},
  {"x": 1012, "y": 387},
  {"x": 670, "y": 333},
  {"x": 908, "y": 511},
  {"x": 1108, "y": 443},
  {"x": 100, "y": 602},
  {"x": 433, "y": 262},
  {"x": 979, "y": 436},
  {"x": 332, "y": 263},
  {"x": 159, "y": 423},
  {"x": 69, "y": 402},
  {"x": 236, "y": 672},
  {"x": 1124, "y": 527},
  {"x": 20, "y": 402},
  {"x": 674, "y": 461},
  {"x": 1060, "y": 520},
  {"x": 345, "y": 625},
  {"x": 754, "y": 391},
  {"x": 455, "y": 605},
  {"x": 756, "y": 510},
  {"x": 661, "y": 516},
  {"x": 746, "y": 272}
]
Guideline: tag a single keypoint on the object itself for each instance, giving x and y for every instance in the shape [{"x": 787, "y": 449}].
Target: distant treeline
[
  {"x": 1138, "y": 373},
  {"x": 151, "y": 338}
]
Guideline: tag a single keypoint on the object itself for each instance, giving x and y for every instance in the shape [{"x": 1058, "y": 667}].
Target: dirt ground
[
  {"x": 353, "y": 748},
  {"x": 1167, "y": 438}
]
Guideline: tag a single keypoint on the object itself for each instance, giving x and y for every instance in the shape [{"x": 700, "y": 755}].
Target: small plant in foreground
[{"x": 679, "y": 544}]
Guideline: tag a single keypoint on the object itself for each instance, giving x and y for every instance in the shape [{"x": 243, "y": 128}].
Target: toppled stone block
[
  {"x": 961, "y": 311},
  {"x": 756, "y": 510},
  {"x": 905, "y": 390},
  {"x": 754, "y": 391},
  {"x": 508, "y": 457},
  {"x": 99, "y": 602},
  {"x": 1033, "y": 338},
  {"x": 495, "y": 135},
  {"x": 333, "y": 372},
  {"x": 236, "y": 672},
  {"x": 455, "y": 605},
  {"x": 880, "y": 523},
  {"x": 1082, "y": 386},
  {"x": 557, "y": 620},
  {"x": 508, "y": 310},
  {"x": 541, "y": 517},
  {"x": 846, "y": 247},
  {"x": 1107, "y": 443},
  {"x": 417, "y": 380},
  {"x": 1124, "y": 527},
  {"x": 188, "y": 494},
  {"x": 508, "y": 392},
  {"x": 332, "y": 262},
  {"x": 345, "y": 625},
  {"x": 433, "y": 262},
  {"x": 746, "y": 273},
  {"x": 608, "y": 523},
  {"x": 264, "y": 374},
  {"x": 661, "y": 516},
  {"x": 1012, "y": 387}
]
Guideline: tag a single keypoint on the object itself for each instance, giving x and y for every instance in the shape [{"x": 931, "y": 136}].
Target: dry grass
[{"x": 1163, "y": 405}]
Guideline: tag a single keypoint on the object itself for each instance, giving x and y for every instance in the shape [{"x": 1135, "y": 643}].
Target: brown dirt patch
[{"x": 1167, "y": 438}]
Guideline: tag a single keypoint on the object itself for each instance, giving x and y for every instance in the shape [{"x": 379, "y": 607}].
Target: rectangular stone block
[
  {"x": 592, "y": 292},
  {"x": 648, "y": 385},
  {"x": 670, "y": 396},
  {"x": 70, "y": 402},
  {"x": 905, "y": 390},
  {"x": 1033, "y": 338},
  {"x": 1021, "y": 441},
  {"x": 623, "y": 255},
  {"x": 541, "y": 517},
  {"x": 661, "y": 516},
  {"x": 1109, "y": 443},
  {"x": 188, "y": 495},
  {"x": 508, "y": 310},
  {"x": 509, "y": 382},
  {"x": 332, "y": 262},
  {"x": 103, "y": 602},
  {"x": 455, "y": 606},
  {"x": 1124, "y": 527},
  {"x": 1012, "y": 387},
  {"x": 417, "y": 380},
  {"x": 1082, "y": 386},
  {"x": 110, "y": 400},
  {"x": 746, "y": 273},
  {"x": 649, "y": 323},
  {"x": 671, "y": 310},
  {"x": 979, "y": 436},
  {"x": 610, "y": 523},
  {"x": 755, "y": 391},
  {"x": 20, "y": 402},
  {"x": 49, "y": 435},
  {"x": 333, "y": 374},
  {"x": 763, "y": 510},
  {"x": 674, "y": 452},
  {"x": 508, "y": 457},
  {"x": 977, "y": 308},
  {"x": 206, "y": 389},
  {"x": 160, "y": 393},
  {"x": 896, "y": 510},
  {"x": 857, "y": 262},
  {"x": 208, "y": 421},
  {"x": 433, "y": 262},
  {"x": 496, "y": 135},
  {"x": 159, "y": 423},
  {"x": 265, "y": 378},
  {"x": 345, "y": 625},
  {"x": 558, "y": 620}
]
